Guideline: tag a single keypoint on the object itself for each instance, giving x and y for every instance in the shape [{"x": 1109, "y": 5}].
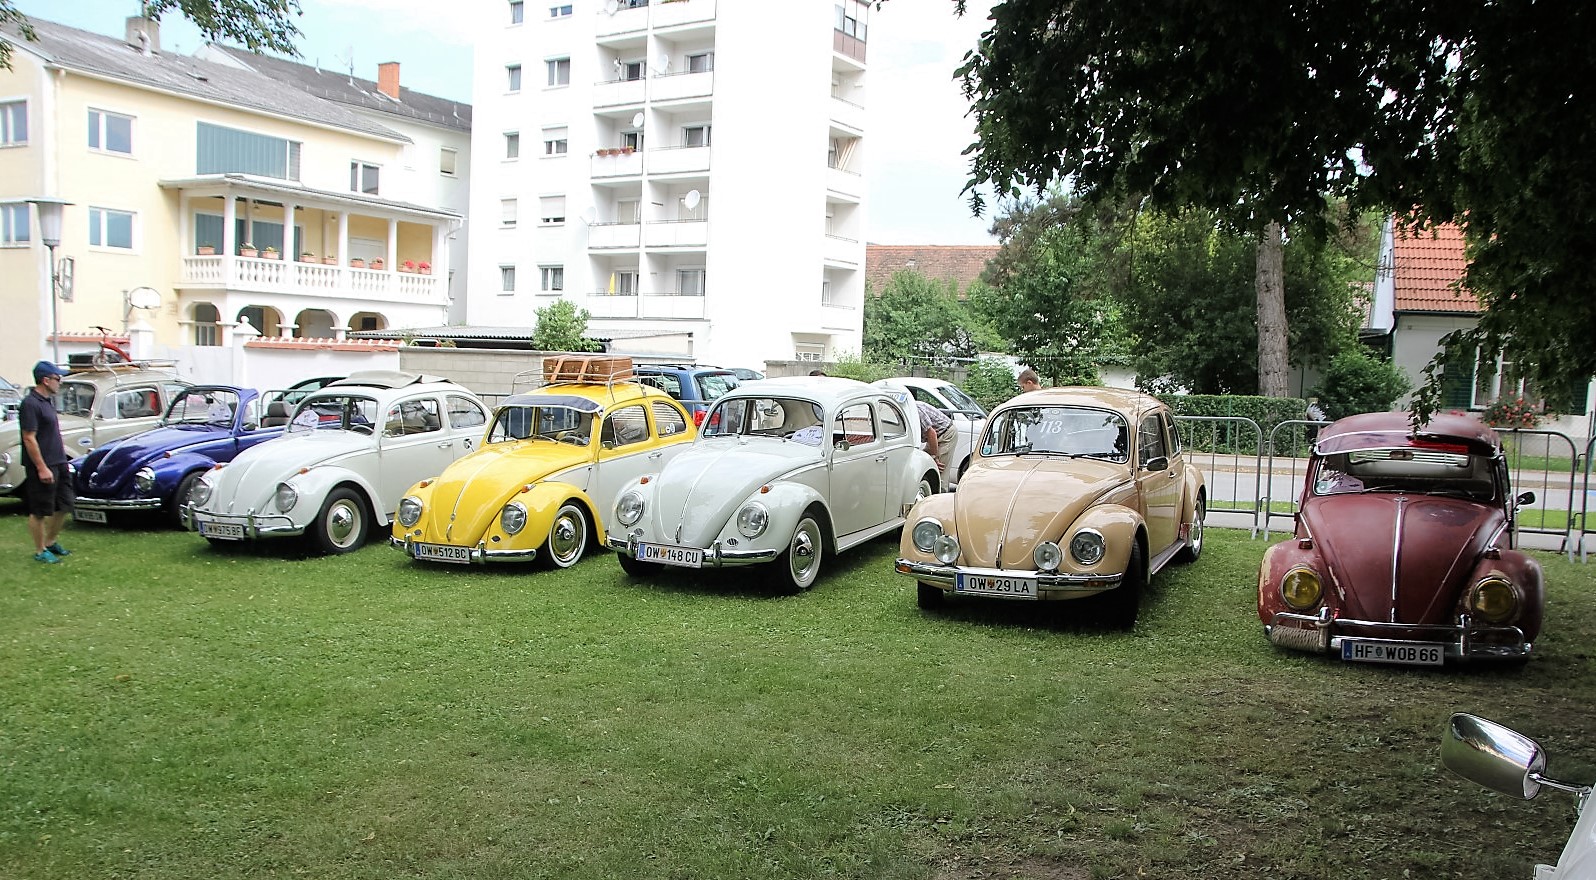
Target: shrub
[
  {"x": 1511, "y": 412},
  {"x": 990, "y": 382},
  {"x": 1357, "y": 382},
  {"x": 851, "y": 366}
]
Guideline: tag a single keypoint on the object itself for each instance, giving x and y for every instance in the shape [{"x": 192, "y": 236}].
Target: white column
[
  {"x": 229, "y": 221},
  {"x": 393, "y": 246},
  {"x": 343, "y": 237}
]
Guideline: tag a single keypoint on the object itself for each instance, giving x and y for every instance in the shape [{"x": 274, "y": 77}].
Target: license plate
[
  {"x": 687, "y": 557},
  {"x": 226, "y": 531},
  {"x": 441, "y": 553},
  {"x": 1001, "y": 587},
  {"x": 93, "y": 516},
  {"x": 1400, "y": 653}
]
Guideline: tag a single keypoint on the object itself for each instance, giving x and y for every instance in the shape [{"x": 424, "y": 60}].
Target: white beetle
[{"x": 783, "y": 470}]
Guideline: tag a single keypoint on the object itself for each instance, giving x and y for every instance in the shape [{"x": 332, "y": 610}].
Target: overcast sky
[{"x": 917, "y": 123}]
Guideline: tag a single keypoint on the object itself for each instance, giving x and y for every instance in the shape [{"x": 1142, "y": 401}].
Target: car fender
[
  {"x": 1277, "y": 560},
  {"x": 786, "y": 503},
  {"x": 918, "y": 465},
  {"x": 1526, "y": 574},
  {"x": 1193, "y": 491},
  {"x": 171, "y": 469},
  {"x": 316, "y": 484},
  {"x": 1119, "y": 526},
  {"x": 542, "y": 501}
]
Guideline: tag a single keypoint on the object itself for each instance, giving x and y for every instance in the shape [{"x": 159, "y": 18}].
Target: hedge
[{"x": 1231, "y": 438}]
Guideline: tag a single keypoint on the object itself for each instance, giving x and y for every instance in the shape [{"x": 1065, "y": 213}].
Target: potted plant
[
  {"x": 356, "y": 263},
  {"x": 307, "y": 257},
  {"x": 378, "y": 263},
  {"x": 247, "y": 249},
  {"x": 407, "y": 266},
  {"x": 330, "y": 260},
  {"x": 206, "y": 250},
  {"x": 424, "y": 267},
  {"x": 269, "y": 252}
]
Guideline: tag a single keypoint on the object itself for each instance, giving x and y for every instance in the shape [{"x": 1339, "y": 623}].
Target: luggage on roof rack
[{"x": 596, "y": 369}]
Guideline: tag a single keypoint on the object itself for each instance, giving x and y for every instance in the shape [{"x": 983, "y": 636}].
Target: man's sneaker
[
  {"x": 58, "y": 550},
  {"x": 46, "y": 556}
]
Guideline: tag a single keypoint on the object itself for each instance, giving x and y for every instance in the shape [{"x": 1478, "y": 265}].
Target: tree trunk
[{"x": 1272, "y": 355}]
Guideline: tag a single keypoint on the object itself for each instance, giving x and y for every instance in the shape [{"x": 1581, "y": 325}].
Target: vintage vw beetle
[
  {"x": 349, "y": 452},
  {"x": 156, "y": 469},
  {"x": 1506, "y": 761},
  {"x": 784, "y": 470},
  {"x": 98, "y": 403},
  {"x": 1074, "y": 492},
  {"x": 1403, "y": 551},
  {"x": 969, "y": 417},
  {"x": 532, "y": 491}
]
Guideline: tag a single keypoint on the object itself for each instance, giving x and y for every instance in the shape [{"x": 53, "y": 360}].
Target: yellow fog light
[
  {"x": 1494, "y": 599},
  {"x": 1301, "y": 588}
]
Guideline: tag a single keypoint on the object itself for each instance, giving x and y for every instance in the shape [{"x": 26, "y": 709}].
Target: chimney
[
  {"x": 144, "y": 34},
  {"x": 388, "y": 79}
]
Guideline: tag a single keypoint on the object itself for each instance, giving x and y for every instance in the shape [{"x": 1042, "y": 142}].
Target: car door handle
[
  {"x": 1173, "y": 475},
  {"x": 658, "y": 453},
  {"x": 446, "y": 444},
  {"x": 881, "y": 457}
]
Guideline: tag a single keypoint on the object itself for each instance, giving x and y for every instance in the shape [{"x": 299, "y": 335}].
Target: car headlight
[
  {"x": 753, "y": 519},
  {"x": 409, "y": 511},
  {"x": 144, "y": 480},
  {"x": 925, "y": 534},
  {"x": 287, "y": 497},
  {"x": 513, "y": 518},
  {"x": 1088, "y": 547},
  {"x": 1494, "y": 599},
  {"x": 946, "y": 549},
  {"x": 201, "y": 492},
  {"x": 629, "y": 509},
  {"x": 1047, "y": 556},
  {"x": 1300, "y": 588}
]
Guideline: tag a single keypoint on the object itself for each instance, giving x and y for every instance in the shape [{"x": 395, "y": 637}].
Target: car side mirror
[
  {"x": 842, "y": 445},
  {"x": 251, "y": 426},
  {"x": 1157, "y": 463},
  {"x": 1497, "y": 757},
  {"x": 1524, "y": 498}
]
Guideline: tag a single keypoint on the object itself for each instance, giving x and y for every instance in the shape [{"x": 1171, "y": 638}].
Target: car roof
[
  {"x": 824, "y": 390},
  {"x": 385, "y": 379},
  {"x": 1385, "y": 430},
  {"x": 1119, "y": 399},
  {"x": 586, "y": 397},
  {"x": 681, "y": 368}
]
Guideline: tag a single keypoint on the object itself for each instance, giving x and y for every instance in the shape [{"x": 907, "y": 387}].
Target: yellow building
[{"x": 233, "y": 186}]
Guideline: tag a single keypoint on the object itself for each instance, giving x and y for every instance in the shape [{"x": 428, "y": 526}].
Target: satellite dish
[
  {"x": 144, "y": 298},
  {"x": 692, "y": 199},
  {"x": 637, "y": 119},
  {"x": 610, "y": 6},
  {"x": 663, "y": 63},
  {"x": 589, "y": 214}
]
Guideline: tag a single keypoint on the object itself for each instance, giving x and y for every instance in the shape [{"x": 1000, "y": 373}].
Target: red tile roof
[
  {"x": 961, "y": 263},
  {"x": 1427, "y": 268}
]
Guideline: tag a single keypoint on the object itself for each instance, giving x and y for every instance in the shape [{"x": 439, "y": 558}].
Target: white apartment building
[{"x": 674, "y": 166}]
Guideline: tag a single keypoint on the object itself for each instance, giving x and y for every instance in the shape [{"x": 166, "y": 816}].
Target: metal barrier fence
[
  {"x": 1225, "y": 449},
  {"x": 1548, "y": 464},
  {"x": 1289, "y": 445}
]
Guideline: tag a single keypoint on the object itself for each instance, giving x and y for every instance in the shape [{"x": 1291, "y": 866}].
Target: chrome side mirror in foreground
[{"x": 1498, "y": 758}]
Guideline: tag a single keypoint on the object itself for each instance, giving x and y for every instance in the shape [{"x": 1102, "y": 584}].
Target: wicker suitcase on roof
[{"x": 597, "y": 369}]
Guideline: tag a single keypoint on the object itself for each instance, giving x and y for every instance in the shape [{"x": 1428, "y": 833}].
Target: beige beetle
[{"x": 1073, "y": 492}]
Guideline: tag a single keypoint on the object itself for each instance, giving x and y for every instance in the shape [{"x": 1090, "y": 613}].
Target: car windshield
[
  {"x": 1409, "y": 470},
  {"x": 1057, "y": 430},
  {"x": 210, "y": 406},
  {"x": 75, "y": 399},
  {"x": 963, "y": 402},
  {"x": 712, "y": 386},
  {"x": 340, "y": 412},
  {"x": 523, "y": 422},
  {"x": 782, "y": 417}
]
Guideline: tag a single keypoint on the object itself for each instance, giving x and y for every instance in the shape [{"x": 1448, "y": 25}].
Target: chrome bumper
[
  {"x": 255, "y": 525},
  {"x": 1059, "y": 585},
  {"x": 715, "y": 555},
  {"x": 1460, "y": 641},
  {"x": 474, "y": 555},
  {"x": 87, "y": 503}
]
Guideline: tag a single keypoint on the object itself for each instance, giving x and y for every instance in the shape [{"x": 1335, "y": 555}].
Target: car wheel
[
  {"x": 341, "y": 526},
  {"x": 1121, "y": 602},
  {"x": 636, "y": 567},
  {"x": 179, "y": 498},
  {"x": 567, "y": 537},
  {"x": 929, "y": 597},
  {"x": 925, "y": 490},
  {"x": 1194, "y": 535},
  {"x": 800, "y": 565}
]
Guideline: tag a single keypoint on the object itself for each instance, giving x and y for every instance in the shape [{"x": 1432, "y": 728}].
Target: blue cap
[{"x": 45, "y": 368}]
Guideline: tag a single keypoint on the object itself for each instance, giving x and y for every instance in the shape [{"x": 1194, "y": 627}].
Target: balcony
[
  {"x": 679, "y": 12},
  {"x": 847, "y": 184},
  {"x": 628, "y": 16},
  {"x": 678, "y": 160},
  {"x": 842, "y": 253},
  {"x": 622, "y": 165},
  {"x": 260, "y": 275},
  {"x": 677, "y": 233},
  {"x": 618, "y": 92},
  {"x": 648, "y": 305},
  {"x": 614, "y": 235},
  {"x": 847, "y": 114},
  {"x": 682, "y": 86}
]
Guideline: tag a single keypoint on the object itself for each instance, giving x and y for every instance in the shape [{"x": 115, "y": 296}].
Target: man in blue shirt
[{"x": 47, "y": 478}]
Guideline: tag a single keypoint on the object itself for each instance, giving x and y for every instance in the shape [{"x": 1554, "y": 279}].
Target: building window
[
  {"x": 624, "y": 282},
  {"x": 111, "y": 229},
  {"x": 507, "y": 279},
  {"x": 14, "y": 225},
  {"x": 551, "y": 278},
  {"x": 517, "y": 11},
  {"x": 690, "y": 282},
  {"x": 701, "y": 62},
  {"x": 851, "y": 16},
  {"x": 110, "y": 132},
  {"x": 559, "y": 72},
  {"x": 560, "y": 10},
  {"x": 555, "y": 142},
  {"x": 512, "y": 75},
  {"x": 551, "y": 210},
  {"x": 695, "y": 136},
  {"x": 507, "y": 212},
  {"x": 221, "y": 150},
  {"x": 629, "y": 71},
  {"x": 633, "y": 139},
  {"x": 206, "y": 324},
  {"x": 363, "y": 178},
  {"x": 13, "y": 123},
  {"x": 448, "y": 158},
  {"x": 512, "y": 145}
]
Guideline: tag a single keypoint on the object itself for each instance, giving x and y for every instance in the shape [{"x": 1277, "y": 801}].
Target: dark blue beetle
[{"x": 155, "y": 470}]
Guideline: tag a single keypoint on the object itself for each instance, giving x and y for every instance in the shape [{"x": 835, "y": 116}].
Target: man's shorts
[{"x": 49, "y": 499}]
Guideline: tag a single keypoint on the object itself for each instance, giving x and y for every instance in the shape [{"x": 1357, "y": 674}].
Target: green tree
[
  {"x": 990, "y": 382},
  {"x": 914, "y": 319},
  {"x": 1266, "y": 112},
  {"x": 1356, "y": 382},
  {"x": 257, "y": 25},
  {"x": 563, "y": 327}
]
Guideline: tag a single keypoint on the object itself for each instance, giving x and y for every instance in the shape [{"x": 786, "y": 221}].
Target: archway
[
  {"x": 207, "y": 324},
  {"x": 315, "y": 324}
]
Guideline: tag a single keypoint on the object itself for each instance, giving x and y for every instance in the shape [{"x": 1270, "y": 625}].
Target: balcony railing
[
  {"x": 310, "y": 279},
  {"x": 847, "y": 114},
  {"x": 844, "y": 183},
  {"x": 682, "y": 84},
  {"x": 624, "y": 165},
  {"x": 614, "y": 235},
  {"x": 678, "y": 160},
  {"x": 683, "y": 12},
  {"x": 645, "y": 305},
  {"x": 843, "y": 251},
  {"x": 677, "y": 233},
  {"x": 621, "y": 91}
]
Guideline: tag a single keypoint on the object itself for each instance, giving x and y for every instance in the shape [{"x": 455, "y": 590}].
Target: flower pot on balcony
[
  {"x": 206, "y": 250},
  {"x": 307, "y": 257},
  {"x": 377, "y": 263},
  {"x": 424, "y": 268},
  {"x": 329, "y": 261},
  {"x": 248, "y": 252},
  {"x": 357, "y": 263},
  {"x": 270, "y": 253}
]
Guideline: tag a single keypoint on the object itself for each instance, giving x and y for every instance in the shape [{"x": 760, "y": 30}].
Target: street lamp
[{"x": 50, "y": 234}]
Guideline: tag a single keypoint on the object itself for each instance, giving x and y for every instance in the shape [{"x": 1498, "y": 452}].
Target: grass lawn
[{"x": 170, "y": 711}]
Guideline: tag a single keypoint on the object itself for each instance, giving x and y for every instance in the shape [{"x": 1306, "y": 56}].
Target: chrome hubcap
[
  {"x": 566, "y": 538},
  {"x": 341, "y": 523}
]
